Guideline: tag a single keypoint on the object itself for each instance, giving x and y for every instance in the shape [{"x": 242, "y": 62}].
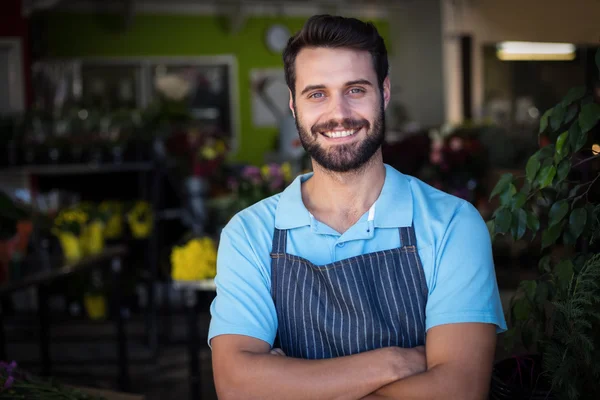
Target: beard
[{"x": 343, "y": 157}]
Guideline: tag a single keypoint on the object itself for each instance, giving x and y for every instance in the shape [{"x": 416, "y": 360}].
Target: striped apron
[{"x": 349, "y": 306}]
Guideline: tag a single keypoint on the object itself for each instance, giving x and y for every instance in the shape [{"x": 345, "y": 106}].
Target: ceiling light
[{"x": 526, "y": 51}]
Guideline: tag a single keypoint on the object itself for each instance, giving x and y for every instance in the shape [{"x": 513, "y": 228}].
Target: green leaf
[
  {"x": 575, "y": 137},
  {"x": 574, "y": 191},
  {"x": 491, "y": 225},
  {"x": 571, "y": 113},
  {"x": 521, "y": 309},
  {"x": 506, "y": 196},
  {"x": 509, "y": 339},
  {"x": 503, "y": 220},
  {"x": 558, "y": 117},
  {"x": 519, "y": 224},
  {"x": 557, "y": 212},
  {"x": 568, "y": 237},
  {"x": 544, "y": 264},
  {"x": 541, "y": 293},
  {"x": 532, "y": 222},
  {"x": 544, "y": 120},
  {"x": 550, "y": 235},
  {"x": 546, "y": 175},
  {"x": 529, "y": 288},
  {"x": 502, "y": 184},
  {"x": 519, "y": 200},
  {"x": 561, "y": 150},
  {"x": 589, "y": 116},
  {"x": 532, "y": 168},
  {"x": 546, "y": 151},
  {"x": 564, "y": 273},
  {"x": 563, "y": 169},
  {"x": 574, "y": 94},
  {"x": 577, "y": 221}
]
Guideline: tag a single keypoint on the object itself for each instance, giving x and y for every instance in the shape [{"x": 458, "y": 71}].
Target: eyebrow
[{"x": 349, "y": 83}]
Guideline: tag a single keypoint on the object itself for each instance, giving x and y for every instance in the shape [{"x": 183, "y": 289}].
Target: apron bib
[{"x": 349, "y": 306}]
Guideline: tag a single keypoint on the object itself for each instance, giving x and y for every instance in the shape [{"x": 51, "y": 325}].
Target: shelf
[
  {"x": 203, "y": 285},
  {"x": 76, "y": 169},
  {"x": 63, "y": 270}
]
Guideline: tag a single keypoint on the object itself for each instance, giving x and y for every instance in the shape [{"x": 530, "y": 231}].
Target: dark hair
[{"x": 336, "y": 32}]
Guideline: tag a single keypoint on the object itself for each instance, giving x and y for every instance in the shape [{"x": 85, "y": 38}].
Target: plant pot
[{"x": 518, "y": 378}]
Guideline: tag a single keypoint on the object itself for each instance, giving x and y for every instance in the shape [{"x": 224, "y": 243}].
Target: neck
[{"x": 344, "y": 196}]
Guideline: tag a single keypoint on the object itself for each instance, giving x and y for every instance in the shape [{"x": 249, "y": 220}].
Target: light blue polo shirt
[{"x": 452, "y": 240}]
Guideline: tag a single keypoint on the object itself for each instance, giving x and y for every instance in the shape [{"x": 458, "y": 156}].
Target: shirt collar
[
  {"x": 291, "y": 212},
  {"x": 393, "y": 208}
]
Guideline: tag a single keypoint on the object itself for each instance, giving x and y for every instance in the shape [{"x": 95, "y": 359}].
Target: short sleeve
[
  {"x": 243, "y": 304},
  {"x": 464, "y": 286}
]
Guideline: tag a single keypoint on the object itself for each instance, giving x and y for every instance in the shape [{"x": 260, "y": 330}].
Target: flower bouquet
[
  {"x": 252, "y": 184},
  {"x": 195, "y": 260},
  {"x": 140, "y": 218},
  {"x": 114, "y": 223},
  {"x": 69, "y": 226},
  {"x": 458, "y": 162},
  {"x": 18, "y": 384}
]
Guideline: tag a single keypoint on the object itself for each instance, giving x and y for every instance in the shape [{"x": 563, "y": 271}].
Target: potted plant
[{"x": 555, "y": 316}]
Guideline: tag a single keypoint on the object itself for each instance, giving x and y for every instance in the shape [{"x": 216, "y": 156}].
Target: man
[{"x": 357, "y": 281}]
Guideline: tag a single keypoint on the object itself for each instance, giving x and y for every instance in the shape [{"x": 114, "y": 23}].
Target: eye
[
  {"x": 316, "y": 95},
  {"x": 356, "y": 91}
]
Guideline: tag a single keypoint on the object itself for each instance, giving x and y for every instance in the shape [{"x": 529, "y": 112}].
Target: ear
[
  {"x": 291, "y": 105},
  {"x": 386, "y": 92}
]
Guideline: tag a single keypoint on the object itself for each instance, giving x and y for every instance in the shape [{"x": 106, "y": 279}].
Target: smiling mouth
[{"x": 340, "y": 134}]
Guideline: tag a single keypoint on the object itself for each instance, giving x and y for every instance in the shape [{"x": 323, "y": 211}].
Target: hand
[
  {"x": 277, "y": 352},
  {"x": 408, "y": 362}
]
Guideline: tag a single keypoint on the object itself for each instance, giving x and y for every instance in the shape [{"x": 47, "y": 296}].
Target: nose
[{"x": 339, "y": 108}]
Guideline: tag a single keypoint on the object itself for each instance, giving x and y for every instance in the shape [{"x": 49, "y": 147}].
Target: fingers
[{"x": 277, "y": 352}]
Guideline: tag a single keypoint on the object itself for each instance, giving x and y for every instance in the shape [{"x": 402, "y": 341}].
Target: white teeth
[{"x": 338, "y": 134}]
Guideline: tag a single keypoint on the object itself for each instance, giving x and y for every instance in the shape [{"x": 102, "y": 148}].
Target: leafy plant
[{"x": 553, "y": 204}]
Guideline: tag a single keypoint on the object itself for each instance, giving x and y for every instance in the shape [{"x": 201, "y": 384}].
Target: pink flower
[
  {"x": 8, "y": 383},
  {"x": 435, "y": 157},
  {"x": 250, "y": 171},
  {"x": 437, "y": 145},
  {"x": 456, "y": 144},
  {"x": 232, "y": 183}
]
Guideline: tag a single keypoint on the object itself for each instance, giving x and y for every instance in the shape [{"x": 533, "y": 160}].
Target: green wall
[{"x": 96, "y": 35}]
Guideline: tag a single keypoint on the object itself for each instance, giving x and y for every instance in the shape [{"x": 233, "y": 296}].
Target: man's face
[{"x": 338, "y": 106}]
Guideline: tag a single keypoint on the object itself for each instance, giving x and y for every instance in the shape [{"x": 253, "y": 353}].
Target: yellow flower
[
  {"x": 196, "y": 260},
  {"x": 286, "y": 170},
  {"x": 208, "y": 153},
  {"x": 264, "y": 171},
  {"x": 220, "y": 147}
]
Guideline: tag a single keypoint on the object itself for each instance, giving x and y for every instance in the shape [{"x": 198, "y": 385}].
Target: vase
[
  {"x": 93, "y": 238},
  {"x": 518, "y": 378},
  {"x": 95, "y": 306},
  {"x": 196, "y": 193},
  {"x": 71, "y": 246}
]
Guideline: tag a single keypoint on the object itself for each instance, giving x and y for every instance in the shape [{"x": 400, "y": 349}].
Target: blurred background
[{"x": 132, "y": 130}]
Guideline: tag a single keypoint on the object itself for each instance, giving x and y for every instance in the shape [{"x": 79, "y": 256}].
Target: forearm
[
  {"x": 266, "y": 376},
  {"x": 445, "y": 382}
]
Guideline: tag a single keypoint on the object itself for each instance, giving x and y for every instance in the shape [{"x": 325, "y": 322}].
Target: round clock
[{"x": 277, "y": 37}]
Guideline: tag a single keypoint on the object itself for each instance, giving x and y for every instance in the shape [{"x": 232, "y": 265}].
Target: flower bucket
[
  {"x": 71, "y": 246},
  {"x": 95, "y": 306},
  {"x": 93, "y": 238},
  {"x": 518, "y": 378}
]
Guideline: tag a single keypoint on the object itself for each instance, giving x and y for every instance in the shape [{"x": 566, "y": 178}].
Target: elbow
[{"x": 229, "y": 387}]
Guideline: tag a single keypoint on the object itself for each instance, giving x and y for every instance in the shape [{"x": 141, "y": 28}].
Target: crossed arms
[{"x": 456, "y": 365}]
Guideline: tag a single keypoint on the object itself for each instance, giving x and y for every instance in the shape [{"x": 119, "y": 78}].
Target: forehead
[{"x": 331, "y": 67}]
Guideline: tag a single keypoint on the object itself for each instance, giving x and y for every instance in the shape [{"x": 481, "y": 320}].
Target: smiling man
[{"x": 357, "y": 281}]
